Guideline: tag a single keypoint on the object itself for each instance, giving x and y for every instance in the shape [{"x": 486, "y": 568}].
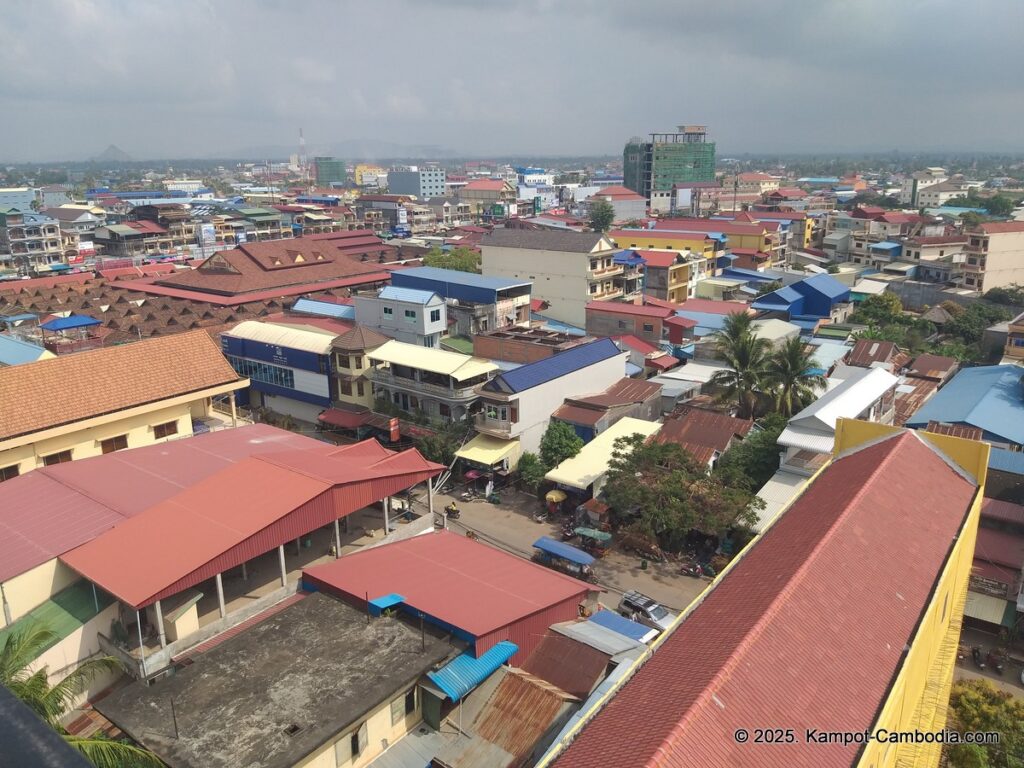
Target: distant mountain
[
  {"x": 113, "y": 154},
  {"x": 352, "y": 149}
]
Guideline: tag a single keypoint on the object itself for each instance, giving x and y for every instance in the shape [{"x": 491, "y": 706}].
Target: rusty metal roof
[{"x": 570, "y": 665}]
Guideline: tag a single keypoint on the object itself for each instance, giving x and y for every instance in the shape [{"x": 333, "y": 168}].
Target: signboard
[
  {"x": 403, "y": 215},
  {"x": 207, "y": 234},
  {"x": 240, "y": 237}
]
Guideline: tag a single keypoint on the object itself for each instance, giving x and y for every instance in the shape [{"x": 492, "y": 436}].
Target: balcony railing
[
  {"x": 388, "y": 379},
  {"x": 497, "y": 427},
  {"x": 614, "y": 269}
]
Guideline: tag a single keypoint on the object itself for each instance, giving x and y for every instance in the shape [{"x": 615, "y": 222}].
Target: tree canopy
[
  {"x": 790, "y": 378},
  {"x": 440, "y": 446},
  {"x": 560, "y": 442},
  {"x": 977, "y": 705},
  {"x": 1012, "y": 295},
  {"x": 751, "y": 463},
  {"x": 746, "y": 356},
  {"x": 997, "y": 205},
  {"x": 602, "y": 214},
  {"x": 460, "y": 258},
  {"x": 531, "y": 471},
  {"x": 664, "y": 493}
]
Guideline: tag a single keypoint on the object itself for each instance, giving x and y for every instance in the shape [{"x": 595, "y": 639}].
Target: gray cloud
[{"x": 195, "y": 77}]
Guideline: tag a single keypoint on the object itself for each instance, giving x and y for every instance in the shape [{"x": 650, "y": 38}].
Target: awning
[
  {"x": 336, "y": 417},
  {"x": 562, "y": 550},
  {"x": 634, "y": 630},
  {"x": 69, "y": 322},
  {"x": 556, "y": 496},
  {"x": 464, "y": 672},
  {"x": 487, "y": 450},
  {"x": 985, "y": 608}
]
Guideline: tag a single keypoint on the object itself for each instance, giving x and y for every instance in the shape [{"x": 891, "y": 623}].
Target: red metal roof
[
  {"x": 702, "y": 427},
  {"x": 462, "y": 582},
  {"x": 568, "y": 664},
  {"x": 617, "y": 193},
  {"x": 624, "y": 308},
  {"x": 658, "y": 259},
  {"x": 1000, "y": 547},
  {"x": 1006, "y": 511},
  {"x": 51, "y": 510},
  {"x": 662, "y": 362},
  {"x": 245, "y": 298},
  {"x": 636, "y": 344},
  {"x": 806, "y": 631},
  {"x": 715, "y": 225},
  {"x": 682, "y": 322},
  {"x": 240, "y": 512},
  {"x": 712, "y": 307}
]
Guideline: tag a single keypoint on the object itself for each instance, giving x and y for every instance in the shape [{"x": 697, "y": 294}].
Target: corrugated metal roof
[
  {"x": 464, "y": 673},
  {"x": 459, "y": 367},
  {"x": 1006, "y": 511},
  {"x": 408, "y": 295},
  {"x": 1006, "y": 461},
  {"x": 985, "y": 607},
  {"x": 616, "y": 645},
  {"x": 457, "y": 277},
  {"x": 632, "y": 629},
  {"x": 780, "y": 489},
  {"x": 591, "y": 462},
  {"x": 859, "y": 390},
  {"x": 487, "y": 449},
  {"x": 568, "y": 664},
  {"x": 534, "y": 374},
  {"x": 562, "y": 550},
  {"x": 15, "y": 351},
  {"x": 460, "y": 582},
  {"x": 281, "y": 336},
  {"x": 987, "y": 397},
  {"x": 325, "y": 308}
]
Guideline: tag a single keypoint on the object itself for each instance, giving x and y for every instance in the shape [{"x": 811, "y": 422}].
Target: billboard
[{"x": 207, "y": 234}]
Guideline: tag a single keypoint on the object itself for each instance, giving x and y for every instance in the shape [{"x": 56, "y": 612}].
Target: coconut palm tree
[
  {"x": 791, "y": 378},
  {"x": 51, "y": 701},
  {"x": 747, "y": 359}
]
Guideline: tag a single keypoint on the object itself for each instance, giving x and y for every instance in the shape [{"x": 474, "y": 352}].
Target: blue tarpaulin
[
  {"x": 464, "y": 673},
  {"x": 562, "y": 550},
  {"x": 69, "y": 322},
  {"x": 634, "y": 630}
]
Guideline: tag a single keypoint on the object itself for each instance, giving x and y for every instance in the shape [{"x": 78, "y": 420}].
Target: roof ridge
[{"x": 759, "y": 626}]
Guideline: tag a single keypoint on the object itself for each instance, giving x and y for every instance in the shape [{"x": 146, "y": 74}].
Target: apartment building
[
  {"x": 349, "y": 366},
  {"x": 423, "y": 183},
  {"x": 407, "y": 314},
  {"x": 29, "y": 241},
  {"x": 670, "y": 275},
  {"x": 995, "y": 255},
  {"x": 568, "y": 269},
  {"x": 490, "y": 198}
]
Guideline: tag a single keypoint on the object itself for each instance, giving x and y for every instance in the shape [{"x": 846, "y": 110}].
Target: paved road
[{"x": 510, "y": 526}]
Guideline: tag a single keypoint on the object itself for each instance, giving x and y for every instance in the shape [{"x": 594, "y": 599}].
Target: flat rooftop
[{"x": 317, "y": 665}]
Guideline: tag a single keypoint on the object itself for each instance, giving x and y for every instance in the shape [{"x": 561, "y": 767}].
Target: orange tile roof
[{"x": 66, "y": 389}]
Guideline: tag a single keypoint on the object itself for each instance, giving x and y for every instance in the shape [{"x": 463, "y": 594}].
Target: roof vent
[{"x": 293, "y": 730}]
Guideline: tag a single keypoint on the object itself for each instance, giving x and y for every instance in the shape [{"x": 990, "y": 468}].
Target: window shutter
[
  {"x": 513, "y": 414},
  {"x": 363, "y": 737}
]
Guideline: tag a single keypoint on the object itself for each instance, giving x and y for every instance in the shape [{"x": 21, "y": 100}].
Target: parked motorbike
[
  {"x": 994, "y": 660},
  {"x": 568, "y": 532},
  {"x": 696, "y": 570},
  {"x": 976, "y": 656},
  {"x": 540, "y": 517},
  {"x": 453, "y": 512}
]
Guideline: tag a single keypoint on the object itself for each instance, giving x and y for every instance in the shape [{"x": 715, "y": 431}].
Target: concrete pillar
[
  {"x": 284, "y": 569},
  {"x": 387, "y": 514},
  {"x": 298, "y": 547},
  {"x": 245, "y": 573},
  {"x": 220, "y": 596},
  {"x": 142, "y": 648},
  {"x": 234, "y": 410},
  {"x": 160, "y": 624},
  {"x": 430, "y": 497},
  {"x": 337, "y": 539}
]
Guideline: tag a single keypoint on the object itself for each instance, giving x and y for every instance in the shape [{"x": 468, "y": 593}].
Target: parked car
[{"x": 649, "y": 612}]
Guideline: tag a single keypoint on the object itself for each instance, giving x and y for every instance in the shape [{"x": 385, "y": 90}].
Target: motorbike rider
[{"x": 451, "y": 510}]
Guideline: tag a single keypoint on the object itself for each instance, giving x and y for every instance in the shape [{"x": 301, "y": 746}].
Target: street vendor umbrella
[
  {"x": 555, "y": 496},
  {"x": 472, "y": 474}
]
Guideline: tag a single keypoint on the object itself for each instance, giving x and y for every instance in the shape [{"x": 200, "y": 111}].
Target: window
[
  {"x": 112, "y": 444},
  {"x": 165, "y": 430},
  {"x": 388, "y": 311},
  {"x": 263, "y": 372},
  {"x": 410, "y": 701},
  {"x": 648, "y": 328},
  {"x": 8, "y": 472},
  {"x": 622, "y": 323},
  {"x": 358, "y": 362},
  {"x": 435, "y": 315},
  {"x": 357, "y": 741},
  {"x": 343, "y": 361},
  {"x": 359, "y": 388},
  {"x": 57, "y": 458},
  {"x": 344, "y": 387},
  {"x": 445, "y": 410},
  {"x": 410, "y": 315}
]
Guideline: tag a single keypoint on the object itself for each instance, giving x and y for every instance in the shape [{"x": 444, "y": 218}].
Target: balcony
[
  {"x": 496, "y": 427},
  {"x": 385, "y": 378},
  {"x": 611, "y": 293},
  {"x": 603, "y": 272}
]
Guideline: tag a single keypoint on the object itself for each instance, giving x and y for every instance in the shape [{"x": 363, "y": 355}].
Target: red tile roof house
[
  {"x": 807, "y": 629},
  {"x": 705, "y": 434},
  {"x": 618, "y": 318}
]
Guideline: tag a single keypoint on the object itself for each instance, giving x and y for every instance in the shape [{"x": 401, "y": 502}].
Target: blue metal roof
[
  {"x": 616, "y": 623},
  {"x": 550, "y": 324},
  {"x": 885, "y": 245},
  {"x": 69, "y": 322},
  {"x": 380, "y": 604},
  {"x": 15, "y": 351},
  {"x": 987, "y": 397},
  {"x": 464, "y": 673},
  {"x": 563, "y": 550},
  {"x": 704, "y": 319},
  {"x": 825, "y": 284},
  {"x": 18, "y": 318},
  {"x": 632, "y": 370},
  {"x": 627, "y": 257},
  {"x": 748, "y": 274},
  {"x": 324, "y": 309},
  {"x": 543, "y": 371},
  {"x": 1006, "y": 461},
  {"x": 460, "y": 278},
  {"x": 409, "y": 295}
]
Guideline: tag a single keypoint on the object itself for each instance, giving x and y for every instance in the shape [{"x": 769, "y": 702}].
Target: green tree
[
  {"x": 880, "y": 309},
  {"x": 1012, "y": 295},
  {"x": 666, "y": 493},
  {"x": 461, "y": 259},
  {"x": 764, "y": 288},
  {"x": 832, "y": 269},
  {"x": 52, "y": 701},
  {"x": 531, "y": 471},
  {"x": 746, "y": 356},
  {"x": 560, "y": 442},
  {"x": 441, "y": 444},
  {"x": 602, "y": 214},
  {"x": 790, "y": 377},
  {"x": 977, "y": 705},
  {"x": 970, "y": 326},
  {"x": 999, "y": 205},
  {"x": 751, "y": 463}
]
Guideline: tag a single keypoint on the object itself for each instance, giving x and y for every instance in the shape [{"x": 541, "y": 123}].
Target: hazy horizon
[{"x": 203, "y": 79}]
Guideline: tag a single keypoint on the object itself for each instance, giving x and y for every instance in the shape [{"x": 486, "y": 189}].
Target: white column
[
  {"x": 234, "y": 410},
  {"x": 142, "y": 648},
  {"x": 387, "y": 511},
  {"x": 430, "y": 497},
  {"x": 284, "y": 569},
  {"x": 220, "y": 596},
  {"x": 298, "y": 549},
  {"x": 160, "y": 624},
  {"x": 337, "y": 538},
  {"x": 245, "y": 573}
]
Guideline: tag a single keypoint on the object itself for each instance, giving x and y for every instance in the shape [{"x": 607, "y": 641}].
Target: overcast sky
[{"x": 176, "y": 78}]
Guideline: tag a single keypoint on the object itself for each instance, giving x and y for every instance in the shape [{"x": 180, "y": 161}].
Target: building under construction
[{"x": 655, "y": 165}]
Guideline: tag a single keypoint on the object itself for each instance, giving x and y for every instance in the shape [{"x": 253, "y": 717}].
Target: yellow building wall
[
  {"x": 379, "y": 730},
  {"x": 33, "y": 587},
  {"x": 678, "y": 283},
  {"x": 367, "y": 396},
  {"x": 674, "y": 241}
]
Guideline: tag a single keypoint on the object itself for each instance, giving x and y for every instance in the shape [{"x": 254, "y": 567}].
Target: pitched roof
[
  {"x": 359, "y": 339},
  {"x": 847, "y": 400},
  {"x": 637, "y": 344},
  {"x": 628, "y": 308},
  {"x": 34, "y": 396},
  {"x": 282, "y": 336},
  {"x": 485, "y": 185},
  {"x": 1000, "y": 547},
  {"x": 408, "y": 295},
  {"x": 458, "y": 366},
  {"x": 698, "y": 426},
  {"x": 617, "y": 193},
  {"x": 550, "y": 368},
  {"x": 732, "y": 659},
  {"x": 987, "y": 397},
  {"x": 868, "y": 351},
  {"x": 956, "y": 430},
  {"x": 932, "y": 367},
  {"x": 545, "y": 240},
  {"x": 568, "y": 664},
  {"x": 1000, "y": 227},
  {"x": 712, "y": 307},
  {"x": 659, "y": 259}
]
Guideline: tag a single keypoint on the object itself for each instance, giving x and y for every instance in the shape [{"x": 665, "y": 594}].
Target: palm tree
[
  {"x": 790, "y": 375},
  {"x": 747, "y": 358},
  {"x": 51, "y": 701}
]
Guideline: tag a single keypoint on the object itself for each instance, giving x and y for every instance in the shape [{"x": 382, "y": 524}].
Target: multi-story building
[
  {"x": 29, "y": 241},
  {"x": 912, "y": 186},
  {"x": 175, "y": 218},
  {"x": 441, "y": 385},
  {"x": 567, "y": 269},
  {"x": 670, "y": 275},
  {"x": 53, "y": 195},
  {"x": 127, "y": 396},
  {"x": 449, "y": 212},
  {"x": 1015, "y": 339},
  {"x": 133, "y": 239},
  {"x": 188, "y": 186},
  {"x": 476, "y": 303},
  {"x": 706, "y": 249},
  {"x": 626, "y": 203},
  {"x": 19, "y": 198},
  {"x": 995, "y": 255},
  {"x": 366, "y": 175},
  {"x": 653, "y": 167},
  {"x": 329, "y": 170},
  {"x": 349, "y": 366},
  {"x": 622, "y": 318},
  {"x": 424, "y": 183},
  {"x": 517, "y": 405},
  {"x": 490, "y": 198},
  {"x": 407, "y": 314}
]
